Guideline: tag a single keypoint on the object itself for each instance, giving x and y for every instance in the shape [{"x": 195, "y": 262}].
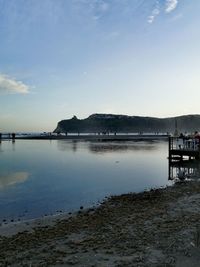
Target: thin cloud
[
  {"x": 177, "y": 17},
  {"x": 171, "y": 5},
  {"x": 96, "y": 8},
  {"x": 10, "y": 85},
  {"x": 155, "y": 13},
  {"x": 103, "y": 7}
]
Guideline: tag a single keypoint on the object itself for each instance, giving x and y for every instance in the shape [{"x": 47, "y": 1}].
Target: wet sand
[{"x": 156, "y": 228}]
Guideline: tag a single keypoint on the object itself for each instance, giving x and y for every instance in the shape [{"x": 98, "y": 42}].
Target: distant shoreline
[{"x": 122, "y": 137}]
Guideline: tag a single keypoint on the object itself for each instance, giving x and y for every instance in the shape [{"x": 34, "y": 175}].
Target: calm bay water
[{"x": 39, "y": 178}]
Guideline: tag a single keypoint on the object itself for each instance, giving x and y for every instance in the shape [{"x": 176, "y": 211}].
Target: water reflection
[
  {"x": 56, "y": 178},
  {"x": 64, "y": 145},
  {"x": 2, "y": 144},
  {"x": 184, "y": 170},
  {"x": 107, "y": 147},
  {"x": 13, "y": 178},
  {"x": 120, "y": 147},
  {"x": 13, "y": 145}
]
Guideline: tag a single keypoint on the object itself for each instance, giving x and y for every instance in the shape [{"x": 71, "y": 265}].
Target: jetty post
[
  {"x": 13, "y": 136},
  {"x": 169, "y": 149},
  {"x": 199, "y": 150}
]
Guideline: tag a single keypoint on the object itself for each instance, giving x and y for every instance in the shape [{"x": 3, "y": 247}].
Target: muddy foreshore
[{"x": 156, "y": 228}]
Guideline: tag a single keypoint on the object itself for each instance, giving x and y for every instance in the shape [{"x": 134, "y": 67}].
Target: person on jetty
[
  {"x": 197, "y": 135},
  {"x": 181, "y": 141},
  {"x": 197, "y": 138},
  {"x": 189, "y": 141}
]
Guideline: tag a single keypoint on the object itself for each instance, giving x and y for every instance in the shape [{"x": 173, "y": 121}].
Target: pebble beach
[{"x": 159, "y": 227}]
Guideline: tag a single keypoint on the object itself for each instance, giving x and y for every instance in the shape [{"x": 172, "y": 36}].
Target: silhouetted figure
[
  {"x": 181, "y": 135},
  {"x": 0, "y": 136},
  {"x": 13, "y": 136}
]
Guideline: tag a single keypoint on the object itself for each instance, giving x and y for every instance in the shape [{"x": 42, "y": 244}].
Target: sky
[{"x": 60, "y": 58}]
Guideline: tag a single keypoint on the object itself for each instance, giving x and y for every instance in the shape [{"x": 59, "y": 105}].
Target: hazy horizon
[{"x": 80, "y": 57}]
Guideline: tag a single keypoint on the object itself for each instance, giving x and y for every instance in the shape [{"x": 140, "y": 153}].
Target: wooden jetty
[{"x": 180, "y": 147}]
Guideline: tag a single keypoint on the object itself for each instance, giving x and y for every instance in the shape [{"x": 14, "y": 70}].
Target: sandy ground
[{"x": 156, "y": 228}]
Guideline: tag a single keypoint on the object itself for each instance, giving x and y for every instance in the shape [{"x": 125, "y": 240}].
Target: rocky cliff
[{"x": 97, "y": 123}]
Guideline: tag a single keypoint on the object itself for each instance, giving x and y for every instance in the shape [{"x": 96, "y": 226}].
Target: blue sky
[{"x": 60, "y": 58}]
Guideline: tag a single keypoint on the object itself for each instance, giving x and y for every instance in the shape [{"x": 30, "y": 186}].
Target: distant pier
[
  {"x": 7, "y": 136},
  {"x": 86, "y": 136},
  {"x": 97, "y": 137}
]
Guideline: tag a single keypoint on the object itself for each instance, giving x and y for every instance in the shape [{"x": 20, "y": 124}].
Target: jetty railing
[
  {"x": 184, "y": 146},
  {"x": 180, "y": 143}
]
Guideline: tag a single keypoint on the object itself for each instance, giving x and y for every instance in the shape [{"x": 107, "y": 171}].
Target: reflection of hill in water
[
  {"x": 121, "y": 147},
  {"x": 13, "y": 178},
  {"x": 64, "y": 145},
  {"x": 106, "y": 147}
]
